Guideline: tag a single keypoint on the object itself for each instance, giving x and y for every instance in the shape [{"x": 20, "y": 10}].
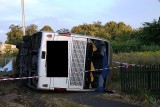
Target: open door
[{"x": 77, "y": 63}]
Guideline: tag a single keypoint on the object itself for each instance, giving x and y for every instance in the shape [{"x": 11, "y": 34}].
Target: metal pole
[{"x": 23, "y": 17}]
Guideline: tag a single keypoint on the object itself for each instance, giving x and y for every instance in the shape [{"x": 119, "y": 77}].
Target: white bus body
[{"x": 32, "y": 61}]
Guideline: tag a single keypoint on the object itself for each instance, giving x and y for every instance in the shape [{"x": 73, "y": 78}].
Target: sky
[{"x": 69, "y": 13}]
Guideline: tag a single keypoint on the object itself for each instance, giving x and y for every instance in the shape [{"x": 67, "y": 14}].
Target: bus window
[{"x": 57, "y": 59}]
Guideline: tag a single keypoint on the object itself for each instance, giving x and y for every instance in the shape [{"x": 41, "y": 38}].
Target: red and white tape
[
  {"x": 98, "y": 70},
  {"x": 123, "y": 65},
  {"x": 6, "y": 79}
]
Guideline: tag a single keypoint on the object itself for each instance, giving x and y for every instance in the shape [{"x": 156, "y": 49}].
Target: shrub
[
  {"x": 150, "y": 48},
  {"x": 132, "y": 46},
  {"x": 147, "y": 57},
  {"x": 129, "y": 46}
]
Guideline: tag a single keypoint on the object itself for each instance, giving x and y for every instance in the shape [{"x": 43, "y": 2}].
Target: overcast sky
[{"x": 68, "y": 13}]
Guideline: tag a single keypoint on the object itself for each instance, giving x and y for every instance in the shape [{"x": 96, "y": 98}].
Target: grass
[
  {"x": 150, "y": 99},
  {"x": 144, "y": 98},
  {"x": 138, "y": 57},
  {"x": 11, "y": 90}
]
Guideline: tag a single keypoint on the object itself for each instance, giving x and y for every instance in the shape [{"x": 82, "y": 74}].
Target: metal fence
[{"x": 136, "y": 78}]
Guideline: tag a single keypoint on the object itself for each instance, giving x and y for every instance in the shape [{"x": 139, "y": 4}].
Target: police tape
[
  {"x": 95, "y": 70},
  {"x": 120, "y": 64},
  {"x": 18, "y": 78},
  {"x": 98, "y": 70},
  {"x": 127, "y": 64}
]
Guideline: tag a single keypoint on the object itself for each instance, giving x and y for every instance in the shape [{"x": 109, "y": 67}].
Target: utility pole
[{"x": 23, "y": 17}]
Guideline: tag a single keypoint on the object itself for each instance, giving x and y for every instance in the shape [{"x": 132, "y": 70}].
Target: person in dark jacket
[{"x": 104, "y": 72}]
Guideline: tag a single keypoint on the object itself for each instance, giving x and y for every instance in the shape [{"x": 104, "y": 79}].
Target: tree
[
  {"x": 46, "y": 28},
  {"x": 31, "y": 29},
  {"x": 14, "y": 35},
  {"x": 104, "y": 34},
  {"x": 88, "y": 29},
  {"x": 0, "y": 48},
  {"x": 150, "y": 33},
  {"x": 0, "y": 44},
  {"x": 118, "y": 31},
  {"x": 80, "y": 29},
  {"x": 76, "y": 29},
  {"x": 7, "y": 49},
  {"x": 98, "y": 24},
  {"x": 111, "y": 30}
]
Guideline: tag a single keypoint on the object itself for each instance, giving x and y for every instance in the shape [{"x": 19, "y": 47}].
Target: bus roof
[{"x": 78, "y": 35}]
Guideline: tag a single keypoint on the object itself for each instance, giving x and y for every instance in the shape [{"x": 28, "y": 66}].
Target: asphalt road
[{"x": 93, "y": 99}]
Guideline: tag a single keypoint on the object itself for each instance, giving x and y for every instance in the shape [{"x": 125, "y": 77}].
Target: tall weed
[
  {"x": 140, "y": 58},
  {"x": 143, "y": 58}
]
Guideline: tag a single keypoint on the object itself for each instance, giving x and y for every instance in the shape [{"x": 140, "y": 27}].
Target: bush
[
  {"x": 129, "y": 46},
  {"x": 132, "y": 46},
  {"x": 150, "y": 48}
]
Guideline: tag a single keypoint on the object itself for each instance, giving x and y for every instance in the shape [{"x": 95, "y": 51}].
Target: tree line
[
  {"x": 123, "y": 38},
  {"x": 15, "y": 34}
]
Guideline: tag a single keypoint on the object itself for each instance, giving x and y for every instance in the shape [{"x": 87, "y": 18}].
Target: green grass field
[{"x": 148, "y": 58}]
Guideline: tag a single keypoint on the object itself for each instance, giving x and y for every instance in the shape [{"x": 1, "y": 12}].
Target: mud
[{"x": 12, "y": 94}]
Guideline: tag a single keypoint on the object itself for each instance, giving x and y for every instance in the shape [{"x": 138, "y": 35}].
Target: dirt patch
[
  {"x": 14, "y": 95},
  {"x": 122, "y": 98}
]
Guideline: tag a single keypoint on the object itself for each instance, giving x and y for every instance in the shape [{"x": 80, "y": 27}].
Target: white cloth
[
  {"x": 1, "y": 69},
  {"x": 8, "y": 67}
]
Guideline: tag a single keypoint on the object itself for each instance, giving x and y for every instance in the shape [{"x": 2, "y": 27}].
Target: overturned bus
[{"x": 63, "y": 61}]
